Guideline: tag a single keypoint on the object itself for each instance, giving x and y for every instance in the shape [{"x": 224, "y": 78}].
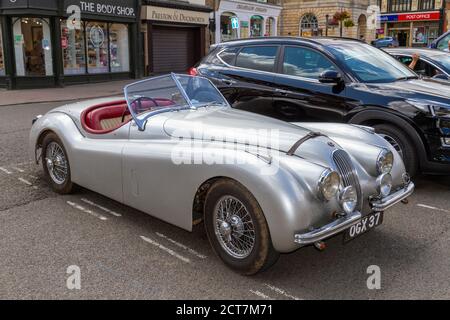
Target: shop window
[
  {"x": 258, "y": 58},
  {"x": 399, "y": 5},
  {"x": 270, "y": 27},
  {"x": 73, "y": 48},
  {"x": 303, "y": 62},
  {"x": 256, "y": 26},
  {"x": 97, "y": 47},
  {"x": 229, "y": 24},
  {"x": 32, "y": 47},
  {"x": 119, "y": 48},
  {"x": 2, "y": 59},
  {"x": 309, "y": 25}
]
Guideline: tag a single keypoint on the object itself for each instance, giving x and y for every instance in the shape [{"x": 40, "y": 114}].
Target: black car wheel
[
  {"x": 398, "y": 139},
  {"x": 56, "y": 164},
  {"x": 237, "y": 229}
]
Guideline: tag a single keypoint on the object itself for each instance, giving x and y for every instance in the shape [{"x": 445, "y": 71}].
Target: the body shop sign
[
  {"x": 117, "y": 8},
  {"x": 416, "y": 16}
]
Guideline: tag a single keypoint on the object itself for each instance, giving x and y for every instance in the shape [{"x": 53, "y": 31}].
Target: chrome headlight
[
  {"x": 384, "y": 184},
  {"x": 385, "y": 161},
  {"x": 329, "y": 184},
  {"x": 348, "y": 199}
]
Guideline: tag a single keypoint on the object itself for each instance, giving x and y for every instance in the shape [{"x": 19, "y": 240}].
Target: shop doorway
[{"x": 403, "y": 38}]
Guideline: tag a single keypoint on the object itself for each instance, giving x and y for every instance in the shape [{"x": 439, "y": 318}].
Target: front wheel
[
  {"x": 237, "y": 229},
  {"x": 400, "y": 141},
  {"x": 56, "y": 164}
]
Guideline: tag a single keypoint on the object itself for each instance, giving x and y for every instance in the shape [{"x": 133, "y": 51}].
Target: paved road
[{"x": 42, "y": 233}]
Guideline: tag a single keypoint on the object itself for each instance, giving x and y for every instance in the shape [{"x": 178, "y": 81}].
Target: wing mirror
[{"x": 331, "y": 76}]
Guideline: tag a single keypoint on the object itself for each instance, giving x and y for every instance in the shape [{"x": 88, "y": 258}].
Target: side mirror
[{"x": 330, "y": 76}]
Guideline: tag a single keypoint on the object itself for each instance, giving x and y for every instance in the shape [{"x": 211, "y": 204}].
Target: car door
[
  {"x": 423, "y": 67},
  {"x": 247, "y": 77},
  {"x": 299, "y": 95}
]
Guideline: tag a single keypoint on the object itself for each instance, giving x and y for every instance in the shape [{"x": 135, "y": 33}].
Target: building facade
[
  {"x": 238, "y": 19},
  {"x": 412, "y": 22},
  {"x": 315, "y": 18},
  {"x": 45, "y": 43}
]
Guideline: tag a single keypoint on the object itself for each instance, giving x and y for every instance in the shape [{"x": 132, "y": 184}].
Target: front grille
[{"x": 346, "y": 169}]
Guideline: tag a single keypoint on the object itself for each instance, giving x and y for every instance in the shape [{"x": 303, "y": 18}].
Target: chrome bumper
[
  {"x": 392, "y": 199},
  {"x": 346, "y": 222}
]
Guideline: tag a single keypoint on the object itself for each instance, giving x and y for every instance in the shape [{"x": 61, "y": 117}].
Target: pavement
[
  {"x": 123, "y": 253},
  {"x": 68, "y": 93}
]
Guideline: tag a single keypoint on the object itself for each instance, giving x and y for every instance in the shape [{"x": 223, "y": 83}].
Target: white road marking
[
  {"x": 261, "y": 295},
  {"x": 432, "y": 208},
  {"x": 28, "y": 183},
  {"x": 19, "y": 170},
  {"x": 5, "y": 170},
  {"x": 33, "y": 177},
  {"x": 83, "y": 209},
  {"x": 169, "y": 251},
  {"x": 191, "y": 251},
  {"x": 101, "y": 207},
  {"x": 281, "y": 292}
]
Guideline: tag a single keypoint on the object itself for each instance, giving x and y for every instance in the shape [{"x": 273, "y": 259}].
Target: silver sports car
[{"x": 173, "y": 148}]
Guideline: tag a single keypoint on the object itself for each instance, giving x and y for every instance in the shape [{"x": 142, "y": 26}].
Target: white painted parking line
[
  {"x": 432, "y": 208},
  {"x": 83, "y": 209},
  {"x": 28, "y": 183},
  {"x": 169, "y": 251},
  {"x": 281, "y": 292},
  {"x": 182, "y": 246},
  {"x": 5, "y": 170},
  {"x": 101, "y": 207},
  {"x": 19, "y": 170},
  {"x": 261, "y": 295},
  {"x": 33, "y": 177}
]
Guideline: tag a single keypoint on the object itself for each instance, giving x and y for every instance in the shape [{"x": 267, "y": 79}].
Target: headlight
[
  {"x": 348, "y": 198},
  {"x": 384, "y": 183},
  {"x": 441, "y": 111},
  {"x": 329, "y": 184},
  {"x": 385, "y": 162}
]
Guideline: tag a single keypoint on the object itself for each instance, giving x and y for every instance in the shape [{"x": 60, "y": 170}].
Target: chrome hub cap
[
  {"x": 56, "y": 163},
  {"x": 234, "y": 227}
]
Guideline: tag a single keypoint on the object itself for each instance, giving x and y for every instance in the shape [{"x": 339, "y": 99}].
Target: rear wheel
[
  {"x": 56, "y": 164},
  {"x": 400, "y": 141},
  {"x": 237, "y": 229}
]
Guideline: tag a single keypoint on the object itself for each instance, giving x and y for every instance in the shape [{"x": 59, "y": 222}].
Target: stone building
[{"x": 309, "y": 18}]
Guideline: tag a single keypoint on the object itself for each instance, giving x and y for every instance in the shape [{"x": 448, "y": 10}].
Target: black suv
[{"x": 337, "y": 80}]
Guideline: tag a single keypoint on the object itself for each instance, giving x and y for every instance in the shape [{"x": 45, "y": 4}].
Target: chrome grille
[{"x": 346, "y": 169}]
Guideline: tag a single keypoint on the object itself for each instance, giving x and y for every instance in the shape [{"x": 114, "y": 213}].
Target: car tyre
[
  {"x": 251, "y": 231},
  {"x": 400, "y": 141},
  {"x": 56, "y": 164}
]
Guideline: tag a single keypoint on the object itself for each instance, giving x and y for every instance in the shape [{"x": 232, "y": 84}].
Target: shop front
[
  {"x": 416, "y": 29},
  {"x": 236, "y": 19},
  {"x": 54, "y": 43},
  {"x": 176, "y": 35}
]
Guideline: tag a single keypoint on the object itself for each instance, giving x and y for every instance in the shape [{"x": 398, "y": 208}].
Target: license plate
[{"x": 364, "y": 225}]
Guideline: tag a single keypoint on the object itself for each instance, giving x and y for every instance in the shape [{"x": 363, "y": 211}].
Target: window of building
[
  {"x": 399, "y": 5},
  {"x": 257, "y": 58},
  {"x": 32, "y": 47},
  {"x": 229, "y": 24},
  {"x": 97, "y": 47},
  {"x": 309, "y": 25},
  {"x": 426, "y": 4},
  {"x": 256, "y": 26},
  {"x": 303, "y": 62},
  {"x": 270, "y": 27},
  {"x": 119, "y": 48},
  {"x": 2, "y": 59},
  {"x": 73, "y": 49}
]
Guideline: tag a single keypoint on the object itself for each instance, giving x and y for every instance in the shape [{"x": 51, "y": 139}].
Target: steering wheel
[{"x": 139, "y": 108}]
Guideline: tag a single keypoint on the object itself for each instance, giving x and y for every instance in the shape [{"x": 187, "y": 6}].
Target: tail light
[{"x": 193, "y": 71}]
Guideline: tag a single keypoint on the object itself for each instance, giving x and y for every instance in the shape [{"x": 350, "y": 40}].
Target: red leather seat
[{"x": 91, "y": 119}]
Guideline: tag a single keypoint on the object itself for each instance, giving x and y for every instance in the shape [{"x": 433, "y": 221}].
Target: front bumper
[{"x": 341, "y": 224}]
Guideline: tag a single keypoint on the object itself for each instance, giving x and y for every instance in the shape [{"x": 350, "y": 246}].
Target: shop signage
[
  {"x": 97, "y": 36},
  {"x": 416, "y": 16},
  {"x": 247, "y": 7},
  {"x": 116, "y": 8},
  {"x": 18, "y": 39},
  {"x": 174, "y": 15},
  {"x": 380, "y": 31},
  {"x": 234, "y": 23}
]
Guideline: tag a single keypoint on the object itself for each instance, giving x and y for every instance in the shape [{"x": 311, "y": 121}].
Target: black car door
[
  {"x": 246, "y": 78},
  {"x": 299, "y": 95}
]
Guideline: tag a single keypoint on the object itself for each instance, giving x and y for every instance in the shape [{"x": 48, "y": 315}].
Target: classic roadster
[{"x": 174, "y": 148}]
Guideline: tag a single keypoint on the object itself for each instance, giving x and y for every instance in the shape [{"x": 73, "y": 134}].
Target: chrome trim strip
[
  {"x": 389, "y": 201},
  {"x": 328, "y": 230}
]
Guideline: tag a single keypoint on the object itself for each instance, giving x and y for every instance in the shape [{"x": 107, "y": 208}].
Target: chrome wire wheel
[
  {"x": 393, "y": 143},
  {"x": 56, "y": 163},
  {"x": 234, "y": 227}
]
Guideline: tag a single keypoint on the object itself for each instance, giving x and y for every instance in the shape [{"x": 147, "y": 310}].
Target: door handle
[{"x": 282, "y": 92}]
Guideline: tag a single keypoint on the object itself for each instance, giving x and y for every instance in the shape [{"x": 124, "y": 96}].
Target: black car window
[
  {"x": 443, "y": 43},
  {"x": 228, "y": 55},
  {"x": 304, "y": 62},
  {"x": 258, "y": 58},
  {"x": 405, "y": 60}
]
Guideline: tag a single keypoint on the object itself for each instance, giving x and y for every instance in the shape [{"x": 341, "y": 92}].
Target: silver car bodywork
[{"x": 134, "y": 165}]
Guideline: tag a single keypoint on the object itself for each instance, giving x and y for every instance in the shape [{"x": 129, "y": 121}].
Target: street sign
[{"x": 234, "y": 23}]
